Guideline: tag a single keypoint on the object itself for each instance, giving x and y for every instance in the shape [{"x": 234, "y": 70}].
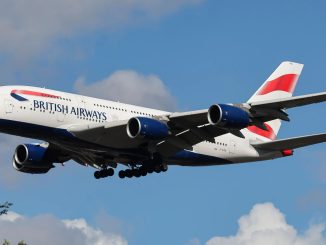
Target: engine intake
[
  {"x": 227, "y": 116},
  {"x": 32, "y": 159},
  {"x": 148, "y": 128}
]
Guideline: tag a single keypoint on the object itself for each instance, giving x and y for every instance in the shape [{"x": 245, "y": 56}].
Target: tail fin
[{"x": 280, "y": 84}]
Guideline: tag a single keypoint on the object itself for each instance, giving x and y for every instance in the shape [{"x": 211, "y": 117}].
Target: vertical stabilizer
[{"x": 280, "y": 84}]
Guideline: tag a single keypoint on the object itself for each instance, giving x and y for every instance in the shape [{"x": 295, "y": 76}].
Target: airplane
[{"x": 105, "y": 134}]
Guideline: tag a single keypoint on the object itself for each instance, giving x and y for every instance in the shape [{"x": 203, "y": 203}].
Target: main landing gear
[
  {"x": 142, "y": 171},
  {"x": 133, "y": 171},
  {"x": 104, "y": 173}
]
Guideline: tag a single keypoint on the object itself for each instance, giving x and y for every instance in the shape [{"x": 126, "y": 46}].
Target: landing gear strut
[{"x": 104, "y": 173}]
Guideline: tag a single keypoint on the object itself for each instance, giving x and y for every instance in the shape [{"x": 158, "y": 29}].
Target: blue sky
[{"x": 201, "y": 52}]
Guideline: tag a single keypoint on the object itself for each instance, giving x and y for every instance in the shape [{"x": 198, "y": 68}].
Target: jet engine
[
  {"x": 32, "y": 159},
  {"x": 228, "y": 116},
  {"x": 148, "y": 128}
]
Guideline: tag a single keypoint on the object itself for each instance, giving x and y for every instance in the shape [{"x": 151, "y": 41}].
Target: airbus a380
[{"x": 104, "y": 134}]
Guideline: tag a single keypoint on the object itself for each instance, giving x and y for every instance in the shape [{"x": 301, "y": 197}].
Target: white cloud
[
  {"x": 266, "y": 225},
  {"x": 47, "y": 229},
  {"x": 28, "y": 27},
  {"x": 10, "y": 217},
  {"x": 130, "y": 87}
]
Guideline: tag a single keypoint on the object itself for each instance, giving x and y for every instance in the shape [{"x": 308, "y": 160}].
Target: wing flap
[
  {"x": 189, "y": 138},
  {"x": 292, "y": 143}
]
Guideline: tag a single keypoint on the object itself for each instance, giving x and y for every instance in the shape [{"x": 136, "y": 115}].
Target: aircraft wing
[
  {"x": 291, "y": 102},
  {"x": 190, "y": 128},
  {"x": 188, "y": 138},
  {"x": 110, "y": 134},
  {"x": 291, "y": 143},
  {"x": 186, "y": 130}
]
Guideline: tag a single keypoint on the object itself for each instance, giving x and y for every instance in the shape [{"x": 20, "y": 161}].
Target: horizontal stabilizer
[{"x": 292, "y": 143}]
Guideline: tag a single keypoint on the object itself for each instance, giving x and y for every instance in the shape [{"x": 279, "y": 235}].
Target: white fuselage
[{"x": 65, "y": 110}]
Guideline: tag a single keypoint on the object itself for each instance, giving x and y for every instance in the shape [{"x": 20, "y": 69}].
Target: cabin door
[
  {"x": 232, "y": 147},
  {"x": 9, "y": 106}
]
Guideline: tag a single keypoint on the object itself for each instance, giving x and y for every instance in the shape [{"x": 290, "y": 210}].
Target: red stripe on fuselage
[
  {"x": 283, "y": 83},
  {"x": 267, "y": 134},
  {"x": 39, "y": 94}
]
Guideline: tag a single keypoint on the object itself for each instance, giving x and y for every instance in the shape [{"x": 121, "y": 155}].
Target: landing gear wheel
[
  {"x": 137, "y": 173},
  {"x": 143, "y": 172},
  {"x": 164, "y": 167},
  {"x": 97, "y": 174},
  {"x": 109, "y": 172},
  {"x": 157, "y": 169},
  {"x": 128, "y": 173},
  {"x": 150, "y": 170},
  {"x": 122, "y": 174},
  {"x": 104, "y": 173}
]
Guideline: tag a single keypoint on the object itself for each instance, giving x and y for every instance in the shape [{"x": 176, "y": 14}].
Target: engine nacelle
[
  {"x": 148, "y": 128},
  {"x": 31, "y": 159},
  {"x": 227, "y": 116}
]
